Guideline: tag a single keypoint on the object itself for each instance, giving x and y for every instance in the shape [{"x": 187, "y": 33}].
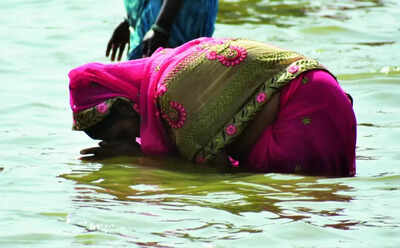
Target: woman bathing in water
[{"x": 231, "y": 102}]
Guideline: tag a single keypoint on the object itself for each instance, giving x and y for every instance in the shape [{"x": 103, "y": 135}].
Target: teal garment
[
  {"x": 134, "y": 9},
  {"x": 195, "y": 19}
]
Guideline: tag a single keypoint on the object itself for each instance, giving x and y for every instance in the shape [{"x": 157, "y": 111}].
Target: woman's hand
[
  {"x": 152, "y": 40},
  {"x": 118, "y": 41},
  {"x": 111, "y": 149},
  {"x": 159, "y": 33}
]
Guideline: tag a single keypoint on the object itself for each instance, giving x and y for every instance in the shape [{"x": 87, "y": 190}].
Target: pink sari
[
  {"x": 315, "y": 131},
  {"x": 136, "y": 80}
]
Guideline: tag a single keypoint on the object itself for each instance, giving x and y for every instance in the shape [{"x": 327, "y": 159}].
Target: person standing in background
[{"x": 161, "y": 23}]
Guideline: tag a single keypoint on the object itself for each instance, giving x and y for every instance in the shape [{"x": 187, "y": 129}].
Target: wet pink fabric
[
  {"x": 93, "y": 83},
  {"x": 315, "y": 130},
  {"x": 137, "y": 80}
]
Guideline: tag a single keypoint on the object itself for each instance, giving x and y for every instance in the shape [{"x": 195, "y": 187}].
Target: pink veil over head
[{"x": 94, "y": 83}]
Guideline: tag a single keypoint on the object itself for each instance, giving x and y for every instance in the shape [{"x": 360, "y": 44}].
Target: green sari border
[
  {"x": 89, "y": 117},
  {"x": 252, "y": 107}
]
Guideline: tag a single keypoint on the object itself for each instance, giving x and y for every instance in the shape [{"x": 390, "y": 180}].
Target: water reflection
[
  {"x": 279, "y": 12},
  {"x": 143, "y": 181}
]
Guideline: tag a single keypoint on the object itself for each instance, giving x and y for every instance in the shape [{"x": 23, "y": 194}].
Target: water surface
[{"x": 49, "y": 198}]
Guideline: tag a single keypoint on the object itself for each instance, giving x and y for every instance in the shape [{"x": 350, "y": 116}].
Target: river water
[{"x": 49, "y": 198}]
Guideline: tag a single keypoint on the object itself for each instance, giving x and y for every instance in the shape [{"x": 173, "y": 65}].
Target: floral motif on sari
[
  {"x": 89, "y": 117},
  {"x": 172, "y": 111},
  {"x": 176, "y": 115},
  {"x": 231, "y": 56},
  {"x": 255, "y": 104},
  {"x": 207, "y": 113}
]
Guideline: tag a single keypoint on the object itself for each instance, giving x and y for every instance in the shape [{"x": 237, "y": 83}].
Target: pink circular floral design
[
  {"x": 212, "y": 55},
  {"x": 261, "y": 97},
  {"x": 234, "y": 56},
  {"x": 136, "y": 107},
  {"x": 177, "y": 117},
  {"x": 230, "y": 130},
  {"x": 102, "y": 107},
  {"x": 234, "y": 162},
  {"x": 293, "y": 69}
]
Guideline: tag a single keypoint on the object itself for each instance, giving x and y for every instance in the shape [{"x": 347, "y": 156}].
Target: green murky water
[{"x": 51, "y": 199}]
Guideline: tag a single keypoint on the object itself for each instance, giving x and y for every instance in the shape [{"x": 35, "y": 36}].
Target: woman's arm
[{"x": 168, "y": 12}]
